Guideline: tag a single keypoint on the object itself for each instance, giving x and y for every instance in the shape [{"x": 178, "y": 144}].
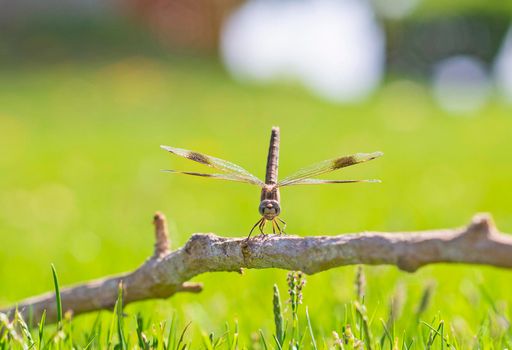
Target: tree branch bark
[{"x": 167, "y": 273}]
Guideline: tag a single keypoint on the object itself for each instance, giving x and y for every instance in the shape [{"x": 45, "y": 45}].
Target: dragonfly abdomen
[{"x": 273, "y": 158}]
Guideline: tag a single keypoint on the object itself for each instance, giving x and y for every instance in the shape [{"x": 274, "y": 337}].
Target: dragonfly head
[{"x": 269, "y": 208}]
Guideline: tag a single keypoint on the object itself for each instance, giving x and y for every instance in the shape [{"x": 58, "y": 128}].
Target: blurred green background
[{"x": 80, "y": 175}]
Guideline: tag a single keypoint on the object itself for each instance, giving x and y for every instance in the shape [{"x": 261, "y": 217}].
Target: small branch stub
[
  {"x": 162, "y": 243},
  {"x": 167, "y": 273},
  {"x": 482, "y": 224}
]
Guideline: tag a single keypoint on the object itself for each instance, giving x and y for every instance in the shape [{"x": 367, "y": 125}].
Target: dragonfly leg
[
  {"x": 283, "y": 222},
  {"x": 252, "y": 229},
  {"x": 274, "y": 222},
  {"x": 273, "y": 226},
  {"x": 262, "y": 225}
]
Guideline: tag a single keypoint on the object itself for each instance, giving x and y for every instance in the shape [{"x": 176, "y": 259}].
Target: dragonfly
[{"x": 270, "y": 205}]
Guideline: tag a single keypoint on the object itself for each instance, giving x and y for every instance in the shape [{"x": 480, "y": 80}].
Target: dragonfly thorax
[{"x": 270, "y": 208}]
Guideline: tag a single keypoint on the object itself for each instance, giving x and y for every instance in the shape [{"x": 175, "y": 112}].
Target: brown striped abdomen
[{"x": 273, "y": 158}]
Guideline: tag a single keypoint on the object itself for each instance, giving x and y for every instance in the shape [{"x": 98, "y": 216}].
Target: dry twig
[{"x": 167, "y": 273}]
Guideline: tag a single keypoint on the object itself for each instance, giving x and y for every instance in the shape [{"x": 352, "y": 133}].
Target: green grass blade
[
  {"x": 386, "y": 335},
  {"x": 120, "y": 318},
  {"x": 436, "y": 332},
  {"x": 182, "y": 336},
  {"x": 263, "y": 341},
  {"x": 228, "y": 333},
  {"x": 41, "y": 330},
  {"x": 311, "y": 330},
  {"x": 277, "y": 342},
  {"x": 141, "y": 337},
  {"x": 441, "y": 325},
  {"x": 95, "y": 333},
  {"x": 110, "y": 332},
  {"x": 171, "y": 337},
  {"x": 57, "y": 296},
  {"x": 207, "y": 341},
  {"x": 89, "y": 344},
  {"x": 234, "y": 344}
]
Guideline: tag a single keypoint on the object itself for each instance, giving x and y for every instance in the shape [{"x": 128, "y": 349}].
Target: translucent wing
[
  {"x": 321, "y": 181},
  {"x": 234, "y": 172},
  {"x": 326, "y": 166},
  {"x": 214, "y": 176}
]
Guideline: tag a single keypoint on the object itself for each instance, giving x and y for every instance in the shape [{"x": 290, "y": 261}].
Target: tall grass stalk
[
  {"x": 57, "y": 296},
  {"x": 120, "y": 318},
  {"x": 41, "y": 330},
  {"x": 278, "y": 317},
  {"x": 296, "y": 283},
  {"x": 361, "y": 311},
  {"x": 313, "y": 340}
]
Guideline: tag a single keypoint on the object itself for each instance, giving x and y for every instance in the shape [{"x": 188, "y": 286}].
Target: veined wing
[
  {"x": 326, "y": 166},
  {"x": 234, "y": 172},
  {"x": 322, "y": 181},
  {"x": 229, "y": 177}
]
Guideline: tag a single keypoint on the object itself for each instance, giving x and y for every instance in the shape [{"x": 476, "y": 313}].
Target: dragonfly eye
[{"x": 269, "y": 208}]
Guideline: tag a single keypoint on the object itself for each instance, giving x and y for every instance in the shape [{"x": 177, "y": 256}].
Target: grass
[
  {"x": 80, "y": 181},
  {"x": 58, "y": 301},
  {"x": 359, "y": 330}
]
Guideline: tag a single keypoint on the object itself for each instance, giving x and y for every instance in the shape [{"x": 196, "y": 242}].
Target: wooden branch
[{"x": 167, "y": 273}]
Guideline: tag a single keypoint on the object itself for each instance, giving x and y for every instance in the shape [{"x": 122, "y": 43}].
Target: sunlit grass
[{"x": 361, "y": 328}]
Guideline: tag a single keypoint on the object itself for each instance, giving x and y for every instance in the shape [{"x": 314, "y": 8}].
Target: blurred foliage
[
  {"x": 414, "y": 46},
  {"x": 435, "y": 8},
  {"x": 49, "y": 40}
]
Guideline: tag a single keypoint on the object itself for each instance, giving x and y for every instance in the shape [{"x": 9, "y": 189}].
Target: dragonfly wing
[
  {"x": 327, "y": 166},
  {"x": 322, "y": 181},
  {"x": 228, "y": 177},
  {"x": 232, "y": 169}
]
